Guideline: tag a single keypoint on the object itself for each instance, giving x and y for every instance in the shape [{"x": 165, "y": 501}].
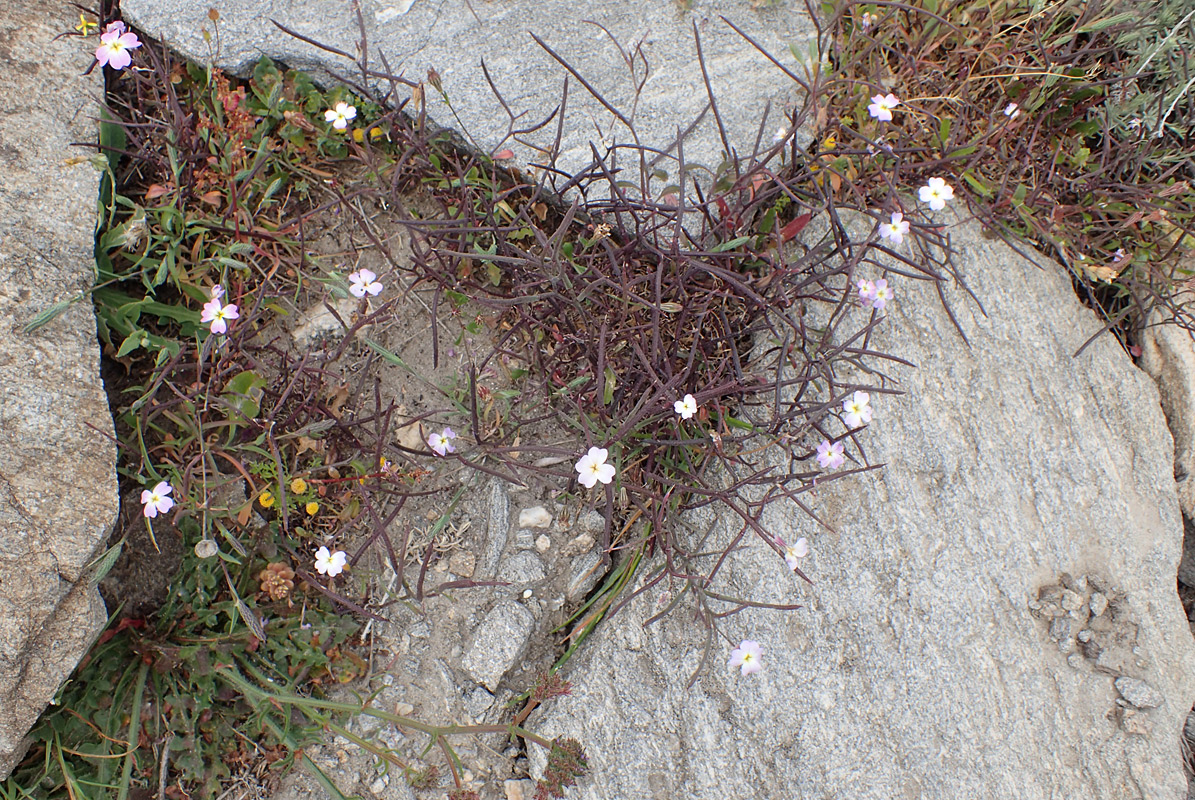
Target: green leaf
[
  {"x": 611, "y": 385},
  {"x": 242, "y": 396},
  {"x": 977, "y": 185},
  {"x": 45, "y": 316},
  {"x": 732, "y": 244},
  {"x": 138, "y": 338}
]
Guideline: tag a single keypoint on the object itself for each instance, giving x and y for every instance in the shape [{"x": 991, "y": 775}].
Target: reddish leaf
[{"x": 796, "y": 226}]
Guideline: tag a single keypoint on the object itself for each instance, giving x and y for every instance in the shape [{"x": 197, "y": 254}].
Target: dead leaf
[
  {"x": 410, "y": 436},
  {"x": 337, "y": 399},
  {"x": 307, "y": 443}
]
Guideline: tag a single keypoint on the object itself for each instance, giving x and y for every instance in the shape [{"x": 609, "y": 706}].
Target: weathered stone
[
  {"x": 498, "y": 642},
  {"x": 423, "y": 35},
  {"x": 583, "y": 575},
  {"x": 1168, "y": 355},
  {"x": 915, "y": 667},
  {"x": 537, "y": 517},
  {"x": 497, "y": 528},
  {"x": 58, "y": 494},
  {"x": 522, "y": 568},
  {"x": 1139, "y": 693}
]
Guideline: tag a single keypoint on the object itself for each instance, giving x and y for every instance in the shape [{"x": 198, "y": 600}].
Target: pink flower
[
  {"x": 880, "y": 295},
  {"x": 115, "y": 44},
  {"x": 156, "y": 500},
  {"x": 218, "y": 315},
  {"x": 794, "y": 552},
  {"x": 441, "y": 443},
  {"x": 830, "y": 456},
  {"x": 746, "y": 656},
  {"x": 866, "y": 290}
]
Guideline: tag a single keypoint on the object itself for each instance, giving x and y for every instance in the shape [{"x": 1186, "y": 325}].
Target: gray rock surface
[
  {"x": 918, "y": 667},
  {"x": 498, "y": 642},
  {"x": 58, "y": 494},
  {"x": 1168, "y": 355},
  {"x": 454, "y": 37}
]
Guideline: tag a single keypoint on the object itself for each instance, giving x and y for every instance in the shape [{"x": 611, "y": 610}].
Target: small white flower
[
  {"x": 441, "y": 443},
  {"x": 156, "y": 500},
  {"x": 896, "y": 230},
  {"x": 1012, "y": 111},
  {"x": 881, "y": 294},
  {"x": 866, "y": 21},
  {"x": 795, "y": 552},
  {"x": 364, "y": 282},
  {"x": 780, "y": 135},
  {"x": 340, "y": 115},
  {"x": 330, "y": 564},
  {"x": 857, "y": 408},
  {"x": 882, "y": 105},
  {"x": 593, "y": 468},
  {"x": 217, "y": 291},
  {"x": 936, "y": 193},
  {"x": 686, "y": 407}
]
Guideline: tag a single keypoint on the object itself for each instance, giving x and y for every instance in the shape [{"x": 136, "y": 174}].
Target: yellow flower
[
  {"x": 266, "y": 499},
  {"x": 298, "y": 486},
  {"x": 85, "y": 25},
  {"x": 312, "y": 508}
]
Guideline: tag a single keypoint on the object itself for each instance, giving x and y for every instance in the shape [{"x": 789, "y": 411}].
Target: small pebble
[
  {"x": 1138, "y": 692},
  {"x": 1075, "y": 660},
  {"x": 379, "y": 785},
  {"x": 537, "y": 517},
  {"x": 527, "y": 594},
  {"x": 543, "y": 543},
  {"x": 1083, "y": 636},
  {"x": 1098, "y": 604},
  {"x": 1071, "y": 601}
]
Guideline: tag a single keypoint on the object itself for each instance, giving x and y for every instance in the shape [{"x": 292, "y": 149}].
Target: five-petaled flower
[
  {"x": 896, "y": 230},
  {"x": 1012, "y": 111},
  {"x": 440, "y": 443},
  {"x": 936, "y": 193},
  {"x": 218, "y": 314},
  {"x": 830, "y": 456},
  {"x": 340, "y": 115},
  {"x": 882, "y": 105},
  {"x": 880, "y": 294},
  {"x": 794, "y": 552},
  {"x": 115, "y": 44},
  {"x": 593, "y": 468},
  {"x": 686, "y": 406},
  {"x": 857, "y": 408},
  {"x": 364, "y": 282},
  {"x": 157, "y": 500},
  {"x": 330, "y": 564},
  {"x": 746, "y": 656}
]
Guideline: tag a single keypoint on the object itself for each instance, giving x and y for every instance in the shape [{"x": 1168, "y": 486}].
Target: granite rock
[
  {"x": 917, "y": 666},
  {"x": 58, "y": 492},
  {"x": 455, "y": 38}
]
